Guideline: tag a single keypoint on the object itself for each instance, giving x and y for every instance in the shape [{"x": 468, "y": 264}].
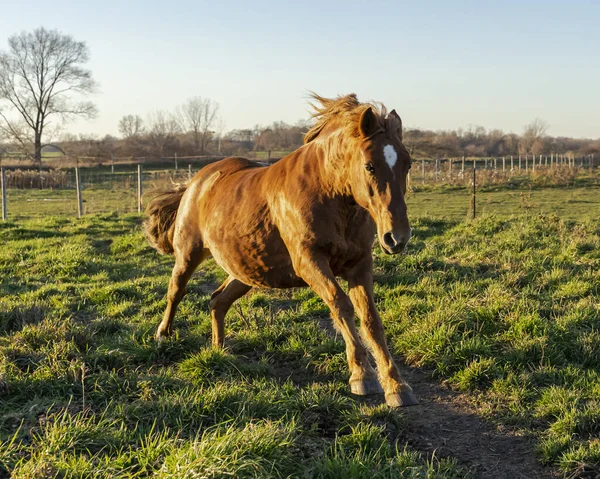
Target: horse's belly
[{"x": 255, "y": 264}]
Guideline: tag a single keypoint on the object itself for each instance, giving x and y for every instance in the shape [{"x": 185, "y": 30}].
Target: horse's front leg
[
  {"x": 360, "y": 283},
  {"x": 318, "y": 275}
]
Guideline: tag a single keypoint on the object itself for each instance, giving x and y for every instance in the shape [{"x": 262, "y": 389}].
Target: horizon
[{"x": 442, "y": 67}]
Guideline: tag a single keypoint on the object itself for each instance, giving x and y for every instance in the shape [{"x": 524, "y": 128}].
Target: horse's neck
[
  {"x": 328, "y": 171},
  {"x": 333, "y": 162}
]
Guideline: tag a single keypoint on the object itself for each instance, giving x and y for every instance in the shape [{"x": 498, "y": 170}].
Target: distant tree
[
  {"x": 162, "y": 130},
  {"x": 531, "y": 139},
  {"x": 42, "y": 78},
  {"x": 131, "y": 126},
  {"x": 199, "y": 116}
]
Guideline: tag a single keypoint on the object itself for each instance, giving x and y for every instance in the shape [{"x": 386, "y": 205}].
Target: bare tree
[
  {"x": 532, "y": 136},
  {"x": 42, "y": 78},
  {"x": 162, "y": 128},
  {"x": 131, "y": 126},
  {"x": 199, "y": 115}
]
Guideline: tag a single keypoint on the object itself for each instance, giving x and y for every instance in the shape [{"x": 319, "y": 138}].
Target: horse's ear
[
  {"x": 397, "y": 120},
  {"x": 367, "y": 124}
]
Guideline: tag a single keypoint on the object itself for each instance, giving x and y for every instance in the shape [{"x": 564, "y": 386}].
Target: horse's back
[{"x": 227, "y": 167}]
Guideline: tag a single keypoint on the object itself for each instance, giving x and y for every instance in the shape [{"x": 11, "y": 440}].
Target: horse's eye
[{"x": 370, "y": 167}]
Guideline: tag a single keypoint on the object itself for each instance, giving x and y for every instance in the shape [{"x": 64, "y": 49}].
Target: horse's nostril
[{"x": 388, "y": 239}]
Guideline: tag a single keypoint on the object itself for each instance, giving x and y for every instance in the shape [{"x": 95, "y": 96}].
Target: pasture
[{"x": 496, "y": 321}]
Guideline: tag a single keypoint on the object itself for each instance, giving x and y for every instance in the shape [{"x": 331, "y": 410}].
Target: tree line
[{"x": 44, "y": 84}]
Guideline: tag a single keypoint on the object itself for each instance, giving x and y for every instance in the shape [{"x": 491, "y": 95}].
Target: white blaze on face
[{"x": 389, "y": 152}]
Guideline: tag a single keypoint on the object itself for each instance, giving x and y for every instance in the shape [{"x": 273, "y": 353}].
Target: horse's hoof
[
  {"x": 366, "y": 387},
  {"x": 161, "y": 336},
  {"x": 401, "y": 399}
]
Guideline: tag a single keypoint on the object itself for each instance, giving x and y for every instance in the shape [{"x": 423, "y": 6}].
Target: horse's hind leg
[
  {"x": 187, "y": 259},
  {"x": 220, "y": 302}
]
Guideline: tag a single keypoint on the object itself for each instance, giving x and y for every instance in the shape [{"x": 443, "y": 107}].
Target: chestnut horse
[{"x": 303, "y": 221}]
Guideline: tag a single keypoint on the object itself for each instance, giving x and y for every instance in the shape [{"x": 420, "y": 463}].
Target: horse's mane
[{"x": 344, "y": 109}]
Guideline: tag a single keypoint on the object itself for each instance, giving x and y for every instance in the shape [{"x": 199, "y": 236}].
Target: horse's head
[{"x": 378, "y": 173}]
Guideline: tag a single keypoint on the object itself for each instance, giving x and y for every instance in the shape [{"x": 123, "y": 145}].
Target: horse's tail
[{"x": 161, "y": 213}]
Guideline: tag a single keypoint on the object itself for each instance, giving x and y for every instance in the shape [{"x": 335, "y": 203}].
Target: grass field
[{"x": 504, "y": 311}]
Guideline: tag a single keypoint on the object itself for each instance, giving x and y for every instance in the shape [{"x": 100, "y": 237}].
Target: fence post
[
  {"x": 423, "y": 169},
  {"x": 473, "y": 199},
  {"x": 495, "y": 163},
  {"x": 486, "y": 162},
  {"x": 449, "y": 167},
  {"x": 139, "y": 189},
  {"x": 512, "y": 163},
  {"x": 112, "y": 163},
  {"x": 78, "y": 187},
  {"x": 437, "y": 168},
  {"x": 190, "y": 171},
  {"x": 462, "y": 166},
  {"x": 3, "y": 187},
  {"x": 591, "y": 161},
  {"x": 519, "y": 162},
  {"x": 503, "y": 163}
]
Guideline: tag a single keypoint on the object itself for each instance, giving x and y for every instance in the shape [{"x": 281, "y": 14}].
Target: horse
[{"x": 303, "y": 221}]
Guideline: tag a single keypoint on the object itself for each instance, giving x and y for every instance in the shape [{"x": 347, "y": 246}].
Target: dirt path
[{"x": 445, "y": 423}]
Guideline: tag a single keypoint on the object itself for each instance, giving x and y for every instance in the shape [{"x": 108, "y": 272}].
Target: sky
[{"x": 441, "y": 65}]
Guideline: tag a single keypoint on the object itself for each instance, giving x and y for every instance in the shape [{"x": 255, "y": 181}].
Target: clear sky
[{"x": 440, "y": 64}]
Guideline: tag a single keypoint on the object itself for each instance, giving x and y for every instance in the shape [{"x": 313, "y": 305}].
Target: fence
[
  {"x": 499, "y": 169},
  {"x": 117, "y": 186}
]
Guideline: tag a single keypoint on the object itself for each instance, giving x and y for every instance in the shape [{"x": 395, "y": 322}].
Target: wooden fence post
[
  {"x": 112, "y": 163},
  {"x": 449, "y": 167},
  {"x": 190, "y": 171},
  {"x": 473, "y": 199},
  {"x": 503, "y": 163},
  {"x": 78, "y": 187},
  {"x": 423, "y": 170},
  {"x": 437, "y": 168},
  {"x": 139, "y": 189},
  {"x": 175, "y": 161},
  {"x": 495, "y": 163},
  {"x": 512, "y": 163},
  {"x": 462, "y": 167},
  {"x": 3, "y": 187},
  {"x": 519, "y": 162}
]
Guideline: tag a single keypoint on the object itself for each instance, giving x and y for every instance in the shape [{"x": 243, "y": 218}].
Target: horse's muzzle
[{"x": 394, "y": 244}]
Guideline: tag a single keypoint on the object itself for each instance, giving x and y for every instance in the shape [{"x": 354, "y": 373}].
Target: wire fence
[{"x": 117, "y": 187}]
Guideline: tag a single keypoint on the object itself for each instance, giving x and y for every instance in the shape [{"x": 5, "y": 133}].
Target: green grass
[
  {"x": 85, "y": 391},
  {"x": 505, "y": 309}
]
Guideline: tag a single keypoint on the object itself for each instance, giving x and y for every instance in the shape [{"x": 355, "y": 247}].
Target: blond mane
[{"x": 346, "y": 110}]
